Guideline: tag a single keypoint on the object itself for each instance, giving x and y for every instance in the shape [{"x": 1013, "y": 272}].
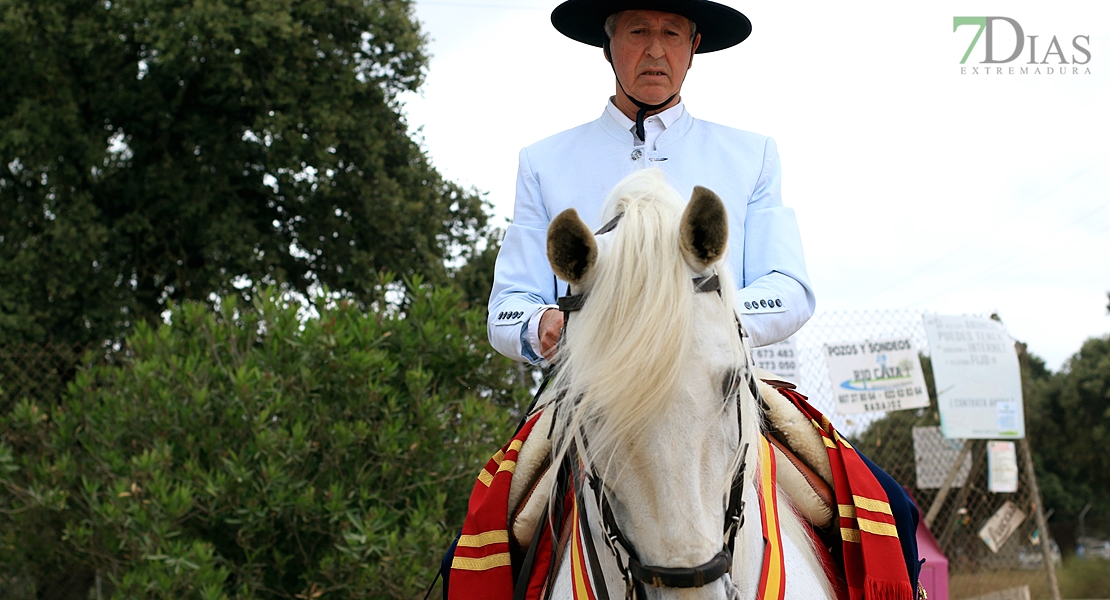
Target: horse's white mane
[
  {"x": 633, "y": 338},
  {"x": 632, "y": 349}
]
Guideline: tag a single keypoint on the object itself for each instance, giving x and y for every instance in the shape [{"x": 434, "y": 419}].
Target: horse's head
[{"x": 652, "y": 366}]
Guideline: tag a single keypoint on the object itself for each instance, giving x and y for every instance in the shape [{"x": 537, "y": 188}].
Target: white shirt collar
[{"x": 653, "y": 125}]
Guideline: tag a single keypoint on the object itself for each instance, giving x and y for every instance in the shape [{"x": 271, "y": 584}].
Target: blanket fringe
[{"x": 881, "y": 589}]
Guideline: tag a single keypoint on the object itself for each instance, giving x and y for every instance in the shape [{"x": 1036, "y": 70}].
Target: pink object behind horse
[{"x": 934, "y": 573}]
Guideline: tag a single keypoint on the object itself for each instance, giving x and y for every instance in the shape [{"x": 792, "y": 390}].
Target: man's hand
[{"x": 551, "y": 326}]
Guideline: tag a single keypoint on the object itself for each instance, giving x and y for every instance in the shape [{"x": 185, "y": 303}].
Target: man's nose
[{"x": 655, "y": 47}]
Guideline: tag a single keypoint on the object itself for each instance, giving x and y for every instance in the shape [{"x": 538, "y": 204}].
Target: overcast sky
[{"x": 915, "y": 185}]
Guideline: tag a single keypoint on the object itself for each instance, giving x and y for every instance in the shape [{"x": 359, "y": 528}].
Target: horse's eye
[{"x": 730, "y": 383}]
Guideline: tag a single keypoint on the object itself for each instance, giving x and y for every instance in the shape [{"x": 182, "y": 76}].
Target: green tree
[
  {"x": 250, "y": 453},
  {"x": 1069, "y": 428},
  {"x": 157, "y": 150}
]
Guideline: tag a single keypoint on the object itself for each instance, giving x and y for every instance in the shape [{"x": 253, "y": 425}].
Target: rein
[{"x": 635, "y": 574}]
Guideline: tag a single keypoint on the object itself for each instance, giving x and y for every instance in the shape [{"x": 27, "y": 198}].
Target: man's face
[{"x": 651, "y": 53}]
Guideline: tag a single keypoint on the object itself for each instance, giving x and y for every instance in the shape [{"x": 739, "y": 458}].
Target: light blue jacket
[{"x": 579, "y": 167}]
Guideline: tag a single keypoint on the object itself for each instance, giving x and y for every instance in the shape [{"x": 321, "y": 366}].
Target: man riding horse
[{"x": 650, "y": 45}]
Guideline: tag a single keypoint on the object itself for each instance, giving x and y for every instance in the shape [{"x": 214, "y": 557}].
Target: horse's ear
[
  {"x": 704, "y": 231},
  {"x": 571, "y": 247}
]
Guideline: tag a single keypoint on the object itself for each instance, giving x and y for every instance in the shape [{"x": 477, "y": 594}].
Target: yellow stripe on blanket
[
  {"x": 484, "y": 539},
  {"x": 514, "y": 445},
  {"x": 877, "y": 528},
  {"x": 481, "y": 564},
  {"x": 872, "y": 505}
]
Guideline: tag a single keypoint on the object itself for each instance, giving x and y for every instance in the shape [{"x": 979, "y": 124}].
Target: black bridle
[{"x": 635, "y": 574}]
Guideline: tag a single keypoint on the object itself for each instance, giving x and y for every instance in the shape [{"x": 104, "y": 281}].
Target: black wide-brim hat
[{"x": 720, "y": 26}]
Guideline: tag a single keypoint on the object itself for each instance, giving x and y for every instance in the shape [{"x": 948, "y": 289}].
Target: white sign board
[
  {"x": 934, "y": 456},
  {"x": 875, "y": 375},
  {"x": 978, "y": 380},
  {"x": 780, "y": 358},
  {"x": 1001, "y": 525},
  {"x": 1002, "y": 467}
]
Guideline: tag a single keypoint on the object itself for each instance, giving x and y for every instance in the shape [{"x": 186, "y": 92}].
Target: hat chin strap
[{"x": 643, "y": 106}]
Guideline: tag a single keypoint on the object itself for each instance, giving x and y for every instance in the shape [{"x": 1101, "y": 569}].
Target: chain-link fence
[
  {"x": 38, "y": 371},
  {"x": 908, "y": 445},
  {"x": 848, "y": 326}
]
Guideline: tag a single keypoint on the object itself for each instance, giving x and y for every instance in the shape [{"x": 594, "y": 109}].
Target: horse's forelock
[
  {"x": 638, "y": 315},
  {"x": 649, "y": 183}
]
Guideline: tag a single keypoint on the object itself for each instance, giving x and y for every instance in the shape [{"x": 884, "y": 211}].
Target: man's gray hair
[{"x": 611, "y": 26}]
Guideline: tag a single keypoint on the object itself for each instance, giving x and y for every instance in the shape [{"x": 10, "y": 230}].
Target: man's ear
[
  {"x": 694, "y": 50},
  {"x": 571, "y": 248},
  {"x": 608, "y": 54},
  {"x": 703, "y": 232}
]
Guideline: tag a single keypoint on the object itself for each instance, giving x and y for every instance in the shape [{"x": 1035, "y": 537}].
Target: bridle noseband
[{"x": 636, "y": 575}]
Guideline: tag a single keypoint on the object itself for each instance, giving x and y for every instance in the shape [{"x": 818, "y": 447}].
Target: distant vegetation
[
  {"x": 158, "y": 150},
  {"x": 249, "y": 453},
  {"x": 178, "y": 179}
]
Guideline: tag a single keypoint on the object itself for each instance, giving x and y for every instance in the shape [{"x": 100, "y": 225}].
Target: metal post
[
  {"x": 1082, "y": 527},
  {"x": 1042, "y": 523},
  {"x": 977, "y": 459},
  {"x": 938, "y": 502}
]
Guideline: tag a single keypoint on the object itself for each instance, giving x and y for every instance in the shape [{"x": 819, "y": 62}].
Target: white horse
[{"x": 651, "y": 376}]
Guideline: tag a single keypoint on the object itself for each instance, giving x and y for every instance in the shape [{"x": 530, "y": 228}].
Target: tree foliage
[
  {"x": 1069, "y": 427},
  {"x": 157, "y": 150},
  {"x": 251, "y": 453}
]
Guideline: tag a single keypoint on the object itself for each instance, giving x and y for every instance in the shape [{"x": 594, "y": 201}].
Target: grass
[
  {"x": 1078, "y": 579},
  {"x": 1084, "y": 578},
  {"x": 970, "y": 585}
]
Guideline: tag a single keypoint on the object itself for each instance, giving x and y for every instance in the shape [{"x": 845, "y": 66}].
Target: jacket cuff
[
  {"x": 533, "y": 335},
  {"x": 530, "y": 336}
]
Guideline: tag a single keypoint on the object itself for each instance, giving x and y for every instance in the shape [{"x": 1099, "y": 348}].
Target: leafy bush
[{"x": 249, "y": 453}]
